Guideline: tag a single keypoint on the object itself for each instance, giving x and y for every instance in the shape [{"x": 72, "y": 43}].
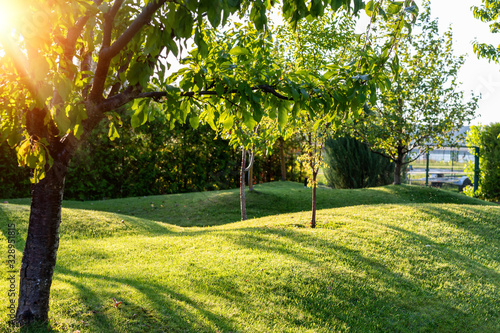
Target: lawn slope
[{"x": 396, "y": 258}]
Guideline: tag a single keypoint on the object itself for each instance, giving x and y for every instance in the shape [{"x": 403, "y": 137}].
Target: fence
[{"x": 444, "y": 166}]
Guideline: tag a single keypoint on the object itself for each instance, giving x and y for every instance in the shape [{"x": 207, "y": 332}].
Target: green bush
[
  {"x": 14, "y": 180},
  {"x": 487, "y": 138},
  {"x": 351, "y": 164},
  {"x": 151, "y": 160}
]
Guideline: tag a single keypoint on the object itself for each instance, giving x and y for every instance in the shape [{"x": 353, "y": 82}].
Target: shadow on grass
[
  {"x": 375, "y": 298},
  {"x": 171, "y": 311},
  {"x": 222, "y": 207},
  {"x": 302, "y": 282}
]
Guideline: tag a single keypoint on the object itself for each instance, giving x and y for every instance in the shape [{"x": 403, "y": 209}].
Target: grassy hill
[{"x": 389, "y": 259}]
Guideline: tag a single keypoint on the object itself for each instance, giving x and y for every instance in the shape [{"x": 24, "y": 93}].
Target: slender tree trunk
[
  {"x": 282, "y": 158},
  {"x": 313, "y": 217},
  {"x": 40, "y": 252},
  {"x": 250, "y": 178},
  {"x": 242, "y": 185}
]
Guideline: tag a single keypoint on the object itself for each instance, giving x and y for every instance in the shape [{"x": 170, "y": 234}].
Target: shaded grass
[
  {"x": 222, "y": 207},
  {"x": 412, "y": 264}
]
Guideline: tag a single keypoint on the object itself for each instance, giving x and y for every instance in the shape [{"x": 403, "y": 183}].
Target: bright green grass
[{"x": 389, "y": 259}]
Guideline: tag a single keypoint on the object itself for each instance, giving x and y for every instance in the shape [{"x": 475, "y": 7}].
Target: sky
[{"x": 476, "y": 75}]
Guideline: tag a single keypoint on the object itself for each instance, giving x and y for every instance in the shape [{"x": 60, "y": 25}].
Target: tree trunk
[
  {"x": 250, "y": 178},
  {"x": 397, "y": 173},
  {"x": 399, "y": 162},
  {"x": 313, "y": 217},
  {"x": 242, "y": 185},
  {"x": 282, "y": 158},
  {"x": 40, "y": 251}
]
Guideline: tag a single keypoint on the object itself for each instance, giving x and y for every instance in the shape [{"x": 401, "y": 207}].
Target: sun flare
[{"x": 10, "y": 16}]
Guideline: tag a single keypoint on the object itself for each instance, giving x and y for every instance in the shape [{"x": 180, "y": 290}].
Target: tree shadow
[
  {"x": 171, "y": 311},
  {"x": 222, "y": 207},
  {"x": 310, "y": 279},
  {"x": 356, "y": 301}
]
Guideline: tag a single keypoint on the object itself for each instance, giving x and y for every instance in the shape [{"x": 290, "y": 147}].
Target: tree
[
  {"x": 314, "y": 133},
  {"x": 421, "y": 107},
  {"x": 68, "y": 65},
  {"x": 308, "y": 48}
]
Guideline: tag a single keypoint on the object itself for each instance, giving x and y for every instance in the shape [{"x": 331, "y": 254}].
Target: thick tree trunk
[
  {"x": 313, "y": 217},
  {"x": 242, "y": 185},
  {"x": 399, "y": 162},
  {"x": 282, "y": 158},
  {"x": 39, "y": 256}
]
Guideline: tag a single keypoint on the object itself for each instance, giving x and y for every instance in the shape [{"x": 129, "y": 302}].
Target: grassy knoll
[{"x": 390, "y": 259}]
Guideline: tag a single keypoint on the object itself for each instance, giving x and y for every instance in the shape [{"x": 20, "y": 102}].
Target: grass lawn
[{"x": 388, "y": 259}]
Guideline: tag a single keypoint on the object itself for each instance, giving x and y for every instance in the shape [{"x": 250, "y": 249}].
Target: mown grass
[{"x": 389, "y": 259}]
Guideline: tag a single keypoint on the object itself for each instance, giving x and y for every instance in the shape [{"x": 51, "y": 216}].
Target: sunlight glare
[{"x": 9, "y": 16}]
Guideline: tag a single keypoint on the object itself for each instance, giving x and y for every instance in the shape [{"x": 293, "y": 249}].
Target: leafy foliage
[
  {"x": 487, "y": 138},
  {"x": 151, "y": 160},
  {"x": 351, "y": 164},
  {"x": 14, "y": 181},
  {"x": 488, "y": 12}
]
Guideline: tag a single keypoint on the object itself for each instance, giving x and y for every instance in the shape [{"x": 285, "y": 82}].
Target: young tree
[
  {"x": 421, "y": 107},
  {"x": 252, "y": 144},
  {"x": 68, "y": 65},
  {"x": 308, "y": 48},
  {"x": 314, "y": 133}
]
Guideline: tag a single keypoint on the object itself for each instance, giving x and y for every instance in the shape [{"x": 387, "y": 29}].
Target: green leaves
[
  {"x": 282, "y": 115},
  {"x": 194, "y": 120},
  {"x": 183, "y": 23},
  {"x": 113, "y": 132},
  {"x": 140, "y": 115},
  {"x": 238, "y": 50},
  {"x": 395, "y": 7},
  {"x": 61, "y": 119},
  {"x": 35, "y": 155},
  {"x": 139, "y": 73}
]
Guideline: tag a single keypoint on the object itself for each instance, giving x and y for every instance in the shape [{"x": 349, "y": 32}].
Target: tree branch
[
  {"x": 109, "y": 52},
  {"x": 134, "y": 28},
  {"x": 265, "y": 88},
  {"x": 108, "y": 25}
]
